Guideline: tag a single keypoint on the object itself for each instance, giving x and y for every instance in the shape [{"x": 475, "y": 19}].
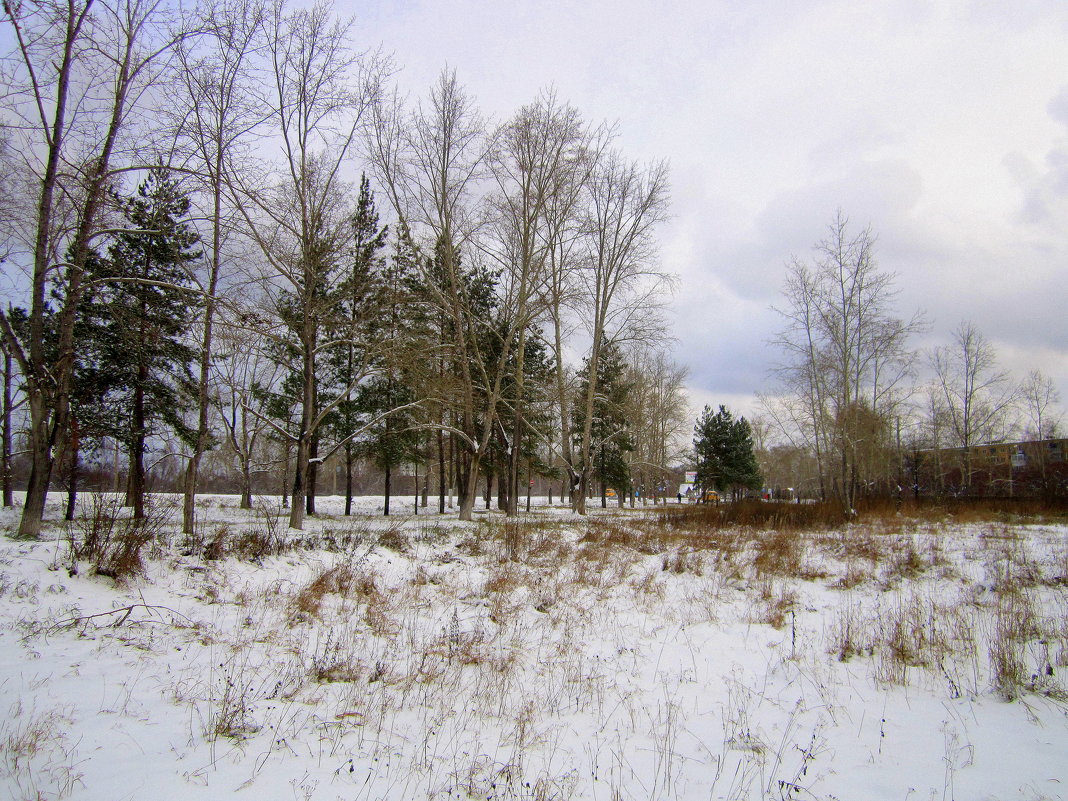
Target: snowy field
[{"x": 616, "y": 657}]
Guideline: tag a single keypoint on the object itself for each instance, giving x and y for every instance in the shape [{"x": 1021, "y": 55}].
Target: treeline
[
  {"x": 860, "y": 410},
  {"x": 199, "y": 274}
]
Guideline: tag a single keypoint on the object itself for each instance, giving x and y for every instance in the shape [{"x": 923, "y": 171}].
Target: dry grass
[
  {"x": 964, "y": 509},
  {"x": 111, "y": 540},
  {"x": 395, "y": 539},
  {"x": 779, "y": 553},
  {"x": 777, "y": 604},
  {"x": 35, "y": 754},
  {"x": 497, "y": 640},
  {"x": 757, "y": 515},
  {"x": 344, "y": 580}
]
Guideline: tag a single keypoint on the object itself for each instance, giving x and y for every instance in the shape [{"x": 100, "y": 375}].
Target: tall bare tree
[
  {"x": 540, "y": 155},
  {"x": 216, "y": 114},
  {"x": 245, "y": 377},
  {"x": 846, "y": 354},
  {"x": 660, "y": 418},
  {"x": 621, "y": 287},
  {"x": 566, "y": 255},
  {"x": 318, "y": 93},
  {"x": 431, "y": 162},
  {"x": 1041, "y": 398}
]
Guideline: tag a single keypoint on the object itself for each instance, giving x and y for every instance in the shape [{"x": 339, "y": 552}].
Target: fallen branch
[{"x": 125, "y": 611}]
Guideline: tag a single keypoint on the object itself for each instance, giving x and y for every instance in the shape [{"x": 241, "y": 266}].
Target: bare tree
[
  {"x": 431, "y": 162},
  {"x": 539, "y": 154},
  {"x": 846, "y": 355},
  {"x": 621, "y": 287},
  {"x": 78, "y": 73},
  {"x": 979, "y": 397},
  {"x": 6, "y": 438},
  {"x": 1041, "y": 398},
  {"x": 217, "y": 113},
  {"x": 660, "y": 419},
  {"x": 564, "y": 245},
  {"x": 245, "y": 376}
]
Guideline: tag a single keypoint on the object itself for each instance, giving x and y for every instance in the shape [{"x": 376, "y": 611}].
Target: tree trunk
[
  {"x": 530, "y": 486},
  {"x": 306, "y": 436},
  {"x": 517, "y": 428},
  {"x": 469, "y": 481},
  {"x": 37, "y": 484},
  {"x": 441, "y": 472},
  {"x": 348, "y": 479},
  {"x": 200, "y": 445},
  {"x": 246, "y": 484},
  {"x": 385, "y": 507},
  {"x": 135, "y": 482},
  {"x": 9, "y": 500},
  {"x": 296, "y": 506},
  {"x": 72, "y": 478},
  {"x": 502, "y": 491},
  {"x": 313, "y": 473},
  {"x": 287, "y": 448}
]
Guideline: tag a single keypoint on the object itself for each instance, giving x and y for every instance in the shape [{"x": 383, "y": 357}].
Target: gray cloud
[{"x": 941, "y": 125}]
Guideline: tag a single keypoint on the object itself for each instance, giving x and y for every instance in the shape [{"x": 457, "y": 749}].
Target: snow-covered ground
[{"x": 558, "y": 658}]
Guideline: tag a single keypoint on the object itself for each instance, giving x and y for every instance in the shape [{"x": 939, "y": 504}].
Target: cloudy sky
[{"x": 942, "y": 125}]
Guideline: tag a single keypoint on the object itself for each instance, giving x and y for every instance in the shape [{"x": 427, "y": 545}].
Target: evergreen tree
[
  {"x": 400, "y": 329},
  {"x": 360, "y": 296},
  {"x": 610, "y": 429},
  {"x": 536, "y": 417},
  {"x": 146, "y": 310},
  {"x": 724, "y": 447},
  {"x": 462, "y": 311},
  {"x": 745, "y": 472},
  {"x": 93, "y": 414}
]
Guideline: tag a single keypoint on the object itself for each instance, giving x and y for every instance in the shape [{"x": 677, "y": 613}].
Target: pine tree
[
  {"x": 724, "y": 448},
  {"x": 393, "y": 438},
  {"x": 610, "y": 429},
  {"x": 744, "y": 470},
  {"x": 144, "y": 285},
  {"x": 359, "y": 297}
]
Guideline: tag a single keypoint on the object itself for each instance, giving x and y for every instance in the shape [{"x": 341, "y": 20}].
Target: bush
[
  {"x": 756, "y": 514},
  {"x": 110, "y": 540}
]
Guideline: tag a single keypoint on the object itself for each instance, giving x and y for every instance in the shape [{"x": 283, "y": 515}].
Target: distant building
[{"x": 996, "y": 468}]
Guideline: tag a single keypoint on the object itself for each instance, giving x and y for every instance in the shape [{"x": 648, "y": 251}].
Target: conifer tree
[
  {"x": 144, "y": 283},
  {"x": 609, "y": 429},
  {"x": 724, "y": 447},
  {"x": 388, "y": 398},
  {"x": 358, "y": 296}
]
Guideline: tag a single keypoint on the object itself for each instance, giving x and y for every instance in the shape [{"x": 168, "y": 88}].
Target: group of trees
[
  {"x": 203, "y": 273},
  {"x": 853, "y": 402}
]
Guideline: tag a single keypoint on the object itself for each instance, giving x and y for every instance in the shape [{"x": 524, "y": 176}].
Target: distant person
[{"x": 680, "y": 497}]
